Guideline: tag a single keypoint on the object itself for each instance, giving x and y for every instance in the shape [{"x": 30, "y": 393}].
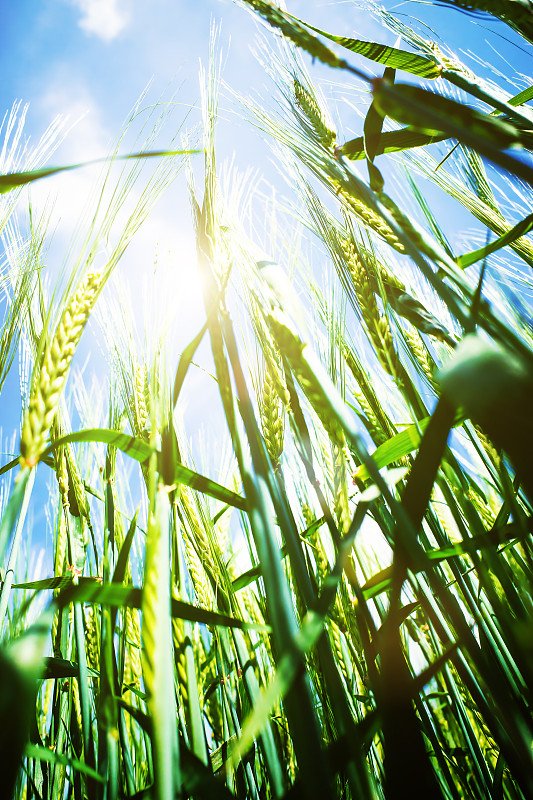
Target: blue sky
[
  {"x": 93, "y": 58},
  {"x": 96, "y": 56}
]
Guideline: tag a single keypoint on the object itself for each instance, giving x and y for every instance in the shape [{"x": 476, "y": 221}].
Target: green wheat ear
[
  {"x": 272, "y": 423},
  {"x": 294, "y": 351},
  {"x": 54, "y": 369},
  {"x": 314, "y": 114}
]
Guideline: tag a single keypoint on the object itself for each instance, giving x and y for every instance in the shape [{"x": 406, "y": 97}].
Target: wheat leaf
[
  {"x": 389, "y": 56},
  {"x": 520, "y": 229},
  {"x": 13, "y": 180},
  {"x": 141, "y": 451}
]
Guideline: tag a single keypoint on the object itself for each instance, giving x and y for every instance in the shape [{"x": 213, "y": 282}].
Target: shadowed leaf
[
  {"x": 392, "y": 142},
  {"x": 130, "y": 596}
]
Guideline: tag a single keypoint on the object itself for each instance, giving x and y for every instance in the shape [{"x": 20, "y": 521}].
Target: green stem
[{"x": 24, "y": 483}]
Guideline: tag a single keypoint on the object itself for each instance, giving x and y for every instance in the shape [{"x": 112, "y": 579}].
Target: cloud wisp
[{"x": 102, "y": 18}]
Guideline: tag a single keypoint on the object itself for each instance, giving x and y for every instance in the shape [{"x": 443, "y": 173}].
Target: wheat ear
[
  {"x": 310, "y": 107},
  {"x": 54, "y": 369},
  {"x": 272, "y": 419}
]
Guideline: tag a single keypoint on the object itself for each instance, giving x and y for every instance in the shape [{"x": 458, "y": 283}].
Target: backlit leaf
[
  {"x": 13, "y": 180},
  {"x": 419, "y": 65}
]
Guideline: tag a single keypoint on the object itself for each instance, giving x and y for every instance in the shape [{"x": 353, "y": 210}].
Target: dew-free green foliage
[{"x": 338, "y": 603}]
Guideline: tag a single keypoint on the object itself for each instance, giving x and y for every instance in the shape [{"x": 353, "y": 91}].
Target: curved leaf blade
[
  {"x": 520, "y": 229},
  {"x": 185, "y": 362},
  {"x": 141, "y": 451},
  {"x": 131, "y": 596},
  {"x": 44, "y": 754},
  {"x": 392, "y": 142},
  {"x": 14, "y": 180},
  {"x": 419, "y": 65},
  {"x": 395, "y": 448},
  {"x": 488, "y": 135}
]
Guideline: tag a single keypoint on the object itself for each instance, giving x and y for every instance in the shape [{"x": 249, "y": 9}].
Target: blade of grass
[
  {"x": 119, "y": 596},
  {"x": 422, "y": 66},
  {"x": 12, "y": 180},
  {"x": 141, "y": 452},
  {"x": 520, "y": 229}
]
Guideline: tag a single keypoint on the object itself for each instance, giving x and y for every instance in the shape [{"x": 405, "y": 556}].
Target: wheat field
[{"x": 334, "y": 599}]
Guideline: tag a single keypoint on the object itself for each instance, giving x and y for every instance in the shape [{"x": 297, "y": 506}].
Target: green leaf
[
  {"x": 185, "y": 362},
  {"x": 123, "y": 556},
  {"x": 406, "y": 103},
  {"x": 141, "y": 451},
  {"x": 372, "y": 136},
  {"x": 490, "y": 136},
  {"x": 60, "y": 668},
  {"x": 131, "y": 596},
  {"x": 59, "y": 582},
  {"x": 499, "y": 535},
  {"x": 520, "y": 229},
  {"x": 11, "y": 513},
  {"x": 392, "y": 142},
  {"x": 13, "y": 180},
  {"x": 11, "y": 465},
  {"x": 522, "y": 97},
  {"x": 378, "y": 583},
  {"x": 410, "y": 308},
  {"x": 398, "y": 446},
  {"x": 252, "y": 574},
  {"x": 422, "y": 66},
  {"x": 136, "y": 448},
  {"x": 44, "y": 754},
  {"x": 222, "y": 753}
]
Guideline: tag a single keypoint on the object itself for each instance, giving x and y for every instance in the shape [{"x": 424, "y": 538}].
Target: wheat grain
[
  {"x": 53, "y": 370},
  {"x": 293, "y": 349},
  {"x": 420, "y": 354},
  {"x": 369, "y": 217},
  {"x": 309, "y": 105},
  {"x": 381, "y": 336},
  {"x": 272, "y": 419},
  {"x": 340, "y": 492},
  {"x": 132, "y": 655}
]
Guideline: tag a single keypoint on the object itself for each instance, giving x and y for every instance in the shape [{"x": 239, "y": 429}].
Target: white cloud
[
  {"x": 68, "y": 95},
  {"x": 71, "y": 197},
  {"x": 102, "y": 18},
  {"x": 65, "y": 195}
]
